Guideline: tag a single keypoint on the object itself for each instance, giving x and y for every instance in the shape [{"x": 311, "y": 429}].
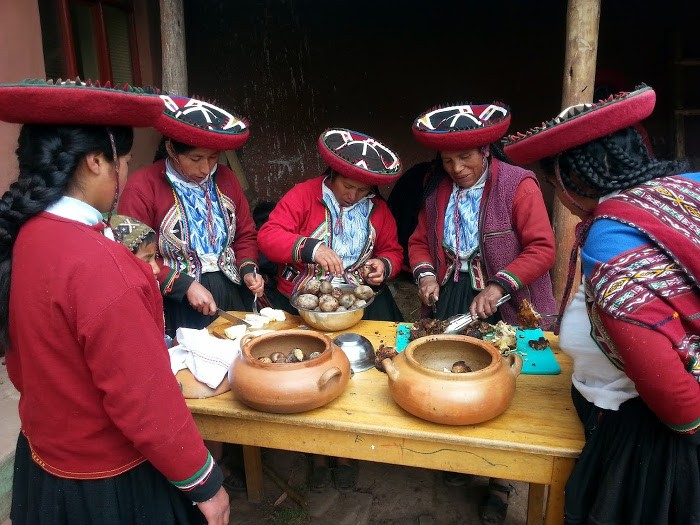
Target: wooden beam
[
  {"x": 583, "y": 17},
  {"x": 174, "y": 51}
]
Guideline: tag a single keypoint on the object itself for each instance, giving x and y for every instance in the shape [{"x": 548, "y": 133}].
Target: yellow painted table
[{"x": 536, "y": 440}]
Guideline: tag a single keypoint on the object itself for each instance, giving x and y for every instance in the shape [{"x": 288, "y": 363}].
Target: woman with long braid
[
  {"x": 633, "y": 327},
  {"x": 106, "y": 436}
]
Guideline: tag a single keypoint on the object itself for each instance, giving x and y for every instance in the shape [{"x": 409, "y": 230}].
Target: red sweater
[
  {"x": 148, "y": 197},
  {"x": 97, "y": 395},
  {"x": 298, "y": 224}
]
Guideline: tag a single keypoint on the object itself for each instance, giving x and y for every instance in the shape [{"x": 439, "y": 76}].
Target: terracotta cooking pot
[
  {"x": 286, "y": 388},
  {"x": 419, "y": 384}
]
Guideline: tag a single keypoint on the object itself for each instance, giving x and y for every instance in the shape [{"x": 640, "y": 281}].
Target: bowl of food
[
  {"x": 359, "y": 350},
  {"x": 330, "y": 308}
]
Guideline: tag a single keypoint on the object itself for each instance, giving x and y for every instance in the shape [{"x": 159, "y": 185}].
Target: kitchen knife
[{"x": 232, "y": 318}]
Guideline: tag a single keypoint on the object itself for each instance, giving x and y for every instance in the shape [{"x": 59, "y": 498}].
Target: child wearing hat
[
  {"x": 483, "y": 232},
  {"x": 337, "y": 227},
  {"x": 632, "y": 327}
]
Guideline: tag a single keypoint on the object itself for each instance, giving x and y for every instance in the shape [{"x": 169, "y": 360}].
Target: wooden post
[
  {"x": 173, "y": 49},
  {"x": 582, "y": 21}
]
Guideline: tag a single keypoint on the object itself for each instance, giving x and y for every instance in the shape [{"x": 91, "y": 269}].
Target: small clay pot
[
  {"x": 419, "y": 385},
  {"x": 286, "y": 388}
]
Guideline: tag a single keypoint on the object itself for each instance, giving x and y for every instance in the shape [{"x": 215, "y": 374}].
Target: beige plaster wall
[{"x": 21, "y": 57}]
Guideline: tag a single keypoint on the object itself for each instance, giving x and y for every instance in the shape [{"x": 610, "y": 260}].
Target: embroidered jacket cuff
[
  {"x": 422, "y": 270},
  {"x": 204, "y": 484},
  {"x": 176, "y": 285},
  {"x": 388, "y": 267},
  {"x": 305, "y": 249},
  {"x": 247, "y": 266},
  {"x": 509, "y": 282}
]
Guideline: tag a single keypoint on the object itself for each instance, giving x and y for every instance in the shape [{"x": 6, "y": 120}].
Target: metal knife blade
[{"x": 230, "y": 317}]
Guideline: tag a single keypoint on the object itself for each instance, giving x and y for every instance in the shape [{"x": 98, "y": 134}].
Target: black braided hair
[
  {"x": 178, "y": 147},
  {"x": 436, "y": 172},
  {"x": 48, "y": 157},
  {"x": 614, "y": 162}
]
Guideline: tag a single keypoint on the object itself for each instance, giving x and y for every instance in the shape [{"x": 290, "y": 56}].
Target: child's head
[{"x": 138, "y": 237}]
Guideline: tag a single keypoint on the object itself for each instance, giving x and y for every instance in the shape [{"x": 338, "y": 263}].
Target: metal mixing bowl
[
  {"x": 359, "y": 350},
  {"x": 332, "y": 321}
]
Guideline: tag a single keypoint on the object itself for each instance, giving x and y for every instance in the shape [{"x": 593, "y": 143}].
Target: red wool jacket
[
  {"x": 148, "y": 197},
  {"x": 97, "y": 395},
  {"x": 298, "y": 223}
]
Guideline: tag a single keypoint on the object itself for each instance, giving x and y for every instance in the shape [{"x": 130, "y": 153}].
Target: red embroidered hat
[
  {"x": 201, "y": 124},
  {"x": 73, "y": 102},
  {"x": 580, "y": 124},
  {"x": 462, "y": 126},
  {"x": 359, "y": 157}
]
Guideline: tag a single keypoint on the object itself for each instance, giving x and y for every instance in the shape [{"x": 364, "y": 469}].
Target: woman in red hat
[
  {"x": 106, "y": 436},
  {"x": 483, "y": 232},
  {"x": 632, "y": 328},
  {"x": 206, "y": 234},
  {"x": 337, "y": 227}
]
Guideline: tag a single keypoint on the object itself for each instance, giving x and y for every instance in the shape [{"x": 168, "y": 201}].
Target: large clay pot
[
  {"x": 419, "y": 384},
  {"x": 286, "y": 388}
]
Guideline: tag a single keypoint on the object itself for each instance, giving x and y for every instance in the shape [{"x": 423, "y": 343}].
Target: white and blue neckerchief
[
  {"x": 208, "y": 240},
  {"x": 350, "y": 226},
  {"x": 76, "y": 210},
  {"x": 462, "y": 215}
]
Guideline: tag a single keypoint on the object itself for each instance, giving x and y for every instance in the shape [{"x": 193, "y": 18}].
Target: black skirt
[
  {"x": 633, "y": 469},
  {"x": 456, "y": 298},
  {"x": 140, "y": 496},
  {"x": 228, "y": 296}
]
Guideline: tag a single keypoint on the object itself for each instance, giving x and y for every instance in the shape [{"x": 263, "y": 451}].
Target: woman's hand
[
  {"x": 374, "y": 272},
  {"x": 327, "y": 259},
  {"x": 484, "y": 304},
  {"x": 428, "y": 286},
  {"x": 255, "y": 283},
  {"x": 217, "y": 509},
  {"x": 201, "y": 299}
]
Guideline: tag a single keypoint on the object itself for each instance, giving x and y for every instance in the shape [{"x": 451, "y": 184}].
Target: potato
[
  {"x": 346, "y": 300},
  {"x": 359, "y": 303},
  {"x": 363, "y": 292},
  {"x": 337, "y": 292},
  {"x": 327, "y": 303},
  {"x": 312, "y": 287},
  {"x": 326, "y": 287},
  {"x": 341, "y": 308},
  {"x": 307, "y": 301}
]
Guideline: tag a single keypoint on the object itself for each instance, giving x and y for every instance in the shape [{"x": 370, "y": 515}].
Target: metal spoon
[{"x": 255, "y": 296}]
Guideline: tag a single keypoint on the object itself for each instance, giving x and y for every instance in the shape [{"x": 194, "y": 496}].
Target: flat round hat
[
  {"x": 461, "y": 126},
  {"x": 359, "y": 156},
  {"x": 579, "y": 124},
  {"x": 74, "y": 102},
  {"x": 201, "y": 124}
]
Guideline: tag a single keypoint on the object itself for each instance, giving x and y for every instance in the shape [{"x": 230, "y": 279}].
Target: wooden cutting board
[{"x": 291, "y": 321}]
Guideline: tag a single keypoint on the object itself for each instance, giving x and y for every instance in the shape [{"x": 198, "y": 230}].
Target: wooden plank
[
  {"x": 554, "y": 513},
  {"x": 252, "y": 461},
  {"x": 535, "y": 504}
]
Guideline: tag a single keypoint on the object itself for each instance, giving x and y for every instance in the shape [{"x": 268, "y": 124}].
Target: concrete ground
[{"x": 385, "y": 494}]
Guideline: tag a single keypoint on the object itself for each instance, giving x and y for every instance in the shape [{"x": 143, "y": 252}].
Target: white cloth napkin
[{"x": 208, "y": 358}]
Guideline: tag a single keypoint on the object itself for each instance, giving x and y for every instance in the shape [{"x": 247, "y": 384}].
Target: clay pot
[
  {"x": 286, "y": 388},
  {"x": 419, "y": 385}
]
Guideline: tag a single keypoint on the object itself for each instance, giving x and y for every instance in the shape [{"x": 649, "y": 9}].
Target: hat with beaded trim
[
  {"x": 74, "y": 102},
  {"x": 359, "y": 156},
  {"x": 129, "y": 231},
  {"x": 461, "y": 126},
  {"x": 580, "y": 124},
  {"x": 201, "y": 124}
]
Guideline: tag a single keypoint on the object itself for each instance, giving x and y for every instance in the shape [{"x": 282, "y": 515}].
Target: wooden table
[{"x": 536, "y": 440}]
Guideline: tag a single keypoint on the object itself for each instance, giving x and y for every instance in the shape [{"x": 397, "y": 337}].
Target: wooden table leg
[
  {"x": 535, "y": 504},
  {"x": 554, "y": 514},
  {"x": 252, "y": 460}
]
